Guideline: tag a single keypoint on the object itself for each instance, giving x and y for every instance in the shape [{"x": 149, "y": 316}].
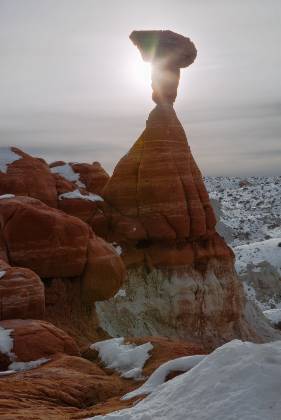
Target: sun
[{"x": 140, "y": 72}]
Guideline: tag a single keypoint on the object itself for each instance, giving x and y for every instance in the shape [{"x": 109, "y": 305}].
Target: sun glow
[{"x": 141, "y": 73}]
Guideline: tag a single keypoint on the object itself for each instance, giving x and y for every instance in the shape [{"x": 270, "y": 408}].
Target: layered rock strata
[
  {"x": 181, "y": 278},
  {"x": 77, "y": 267}
]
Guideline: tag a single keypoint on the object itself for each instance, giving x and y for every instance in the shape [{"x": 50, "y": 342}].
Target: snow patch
[
  {"x": 23, "y": 366},
  {"x": 257, "y": 252},
  {"x": 66, "y": 171},
  {"x": 2, "y": 197},
  {"x": 120, "y": 293},
  {"x": 7, "y": 156},
  {"x": 117, "y": 248},
  {"x": 239, "y": 380},
  {"x": 77, "y": 194},
  {"x": 6, "y": 341},
  {"x": 7, "y": 372},
  {"x": 127, "y": 359},
  {"x": 158, "y": 377},
  {"x": 274, "y": 315}
]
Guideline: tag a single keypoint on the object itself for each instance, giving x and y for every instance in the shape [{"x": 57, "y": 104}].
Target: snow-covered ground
[
  {"x": 274, "y": 316},
  {"x": 249, "y": 215},
  {"x": 258, "y": 252},
  {"x": 127, "y": 359},
  {"x": 238, "y": 381},
  {"x": 251, "y": 207}
]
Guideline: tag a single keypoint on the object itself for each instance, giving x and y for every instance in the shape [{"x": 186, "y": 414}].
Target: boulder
[
  {"x": 82, "y": 208},
  {"x": 54, "y": 244},
  {"x": 104, "y": 271},
  {"x": 43, "y": 239},
  {"x": 22, "y": 174},
  {"x": 34, "y": 339},
  {"x": 21, "y": 293}
]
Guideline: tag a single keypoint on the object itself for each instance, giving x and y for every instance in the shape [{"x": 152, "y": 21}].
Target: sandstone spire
[{"x": 181, "y": 278}]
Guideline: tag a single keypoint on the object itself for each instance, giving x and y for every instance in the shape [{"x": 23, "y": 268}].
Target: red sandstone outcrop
[
  {"x": 34, "y": 339},
  {"x": 85, "y": 182},
  {"x": 78, "y": 268},
  {"x": 82, "y": 208},
  {"x": 91, "y": 177},
  {"x": 21, "y": 293},
  {"x": 26, "y": 175},
  {"x": 43, "y": 239},
  {"x": 54, "y": 244},
  {"x": 66, "y": 387}
]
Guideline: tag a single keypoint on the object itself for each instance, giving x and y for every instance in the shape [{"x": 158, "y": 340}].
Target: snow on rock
[
  {"x": 127, "y": 359},
  {"x": 239, "y": 380},
  {"x": 6, "y": 341},
  {"x": 2, "y": 197},
  {"x": 66, "y": 171},
  {"x": 120, "y": 293},
  {"x": 274, "y": 315},
  {"x": 22, "y": 366},
  {"x": 2, "y": 274},
  {"x": 7, "y": 372},
  {"x": 158, "y": 377},
  {"x": 7, "y": 156},
  {"x": 77, "y": 194},
  {"x": 257, "y": 252},
  {"x": 117, "y": 248}
]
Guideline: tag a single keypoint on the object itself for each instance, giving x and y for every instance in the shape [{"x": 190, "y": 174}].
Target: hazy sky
[{"x": 73, "y": 86}]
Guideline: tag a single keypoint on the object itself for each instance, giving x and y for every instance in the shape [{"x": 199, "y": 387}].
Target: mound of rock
[
  {"x": 34, "y": 339},
  {"x": 54, "y": 244},
  {"x": 22, "y": 174},
  {"x": 78, "y": 267},
  {"x": 21, "y": 293},
  {"x": 91, "y": 177}
]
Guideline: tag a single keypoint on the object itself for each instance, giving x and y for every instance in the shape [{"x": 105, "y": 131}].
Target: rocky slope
[{"x": 248, "y": 210}]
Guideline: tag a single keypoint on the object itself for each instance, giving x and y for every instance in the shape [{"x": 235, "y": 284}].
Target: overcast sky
[{"x": 73, "y": 86}]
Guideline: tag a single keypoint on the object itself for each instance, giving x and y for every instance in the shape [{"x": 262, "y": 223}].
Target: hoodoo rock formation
[
  {"x": 168, "y": 52},
  {"x": 181, "y": 278}
]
